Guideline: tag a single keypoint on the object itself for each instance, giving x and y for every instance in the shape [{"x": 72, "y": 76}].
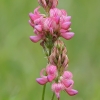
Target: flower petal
[
  {"x": 38, "y": 28},
  {"x": 71, "y": 92},
  {"x": 57, "y": 87},
  {"x": 67, "y": 82},
  {"x": 67, "y": 75},
  {"x": 42, "y": 81},
  {"x": 66, "y": 25},
  {"x": 50, "y": 78},
  {"x": 51, "y": 69},
  {"x": 67, "y": 35},
  {"x": 35, "y": 38}
]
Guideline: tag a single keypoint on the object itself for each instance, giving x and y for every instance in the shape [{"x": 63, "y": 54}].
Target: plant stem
[
  {"x": 53, "y": 96},
  {"x": 43, "y": 93}
]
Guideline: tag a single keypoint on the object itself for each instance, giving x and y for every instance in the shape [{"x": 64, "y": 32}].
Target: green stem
[
  {"x": 43, "y": 93},
  {"x": 53, "y": 96}
]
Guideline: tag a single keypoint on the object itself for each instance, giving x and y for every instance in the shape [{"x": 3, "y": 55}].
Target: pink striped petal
[
  {"x": 31, "y": 15},
  {"x": 42, "y": 81},
  {"x": 57, "y": 87},
  {"x": 67, "y": 75},
  {"x": 67, "y": 83},
  {"x": 30, "y": 22},
  {"x": 35, "y": 38},
  {"x": 51, "y": 69},
  {"x": 67, "y": 35},
  {"x": 71, "y": 92},
  {"x": 68, "y": 18},
  {"x": 62, "y": 31},
  {"x": 66, "y": 25},
  {"x": 36, "y": 11},
  {"x": 64, "y": 12},
  {"x": 38, "y": 28}
]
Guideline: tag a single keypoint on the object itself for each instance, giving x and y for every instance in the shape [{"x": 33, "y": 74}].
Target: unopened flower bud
[
  {"x": 42, "y": 3},
  {"x": 48, "y": 4}
]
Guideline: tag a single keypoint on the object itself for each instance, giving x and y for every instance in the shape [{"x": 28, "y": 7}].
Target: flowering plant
[{"x": 48, "y": 29}]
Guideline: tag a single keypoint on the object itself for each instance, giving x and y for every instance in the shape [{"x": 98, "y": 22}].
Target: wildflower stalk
[
  {"x": 43, "y": 93},
  {"x": 48, "y": 29}
]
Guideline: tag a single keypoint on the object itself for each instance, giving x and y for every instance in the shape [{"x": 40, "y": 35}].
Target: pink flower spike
[
  {"x": 35, "y": 38},
  {"x": 66, "y": 25},
  {"x": 71, "y": 92},
  {"x": 67, "y": 35},
  {"x": 42, "y": 81}
]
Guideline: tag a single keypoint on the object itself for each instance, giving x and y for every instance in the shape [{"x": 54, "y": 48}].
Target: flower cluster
[
  {"x": 56, "y": 24},
  {"x": 49, "y": 28}
]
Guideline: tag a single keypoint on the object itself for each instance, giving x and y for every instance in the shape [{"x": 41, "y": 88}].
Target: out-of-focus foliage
[{"x": 21, "y": 60}]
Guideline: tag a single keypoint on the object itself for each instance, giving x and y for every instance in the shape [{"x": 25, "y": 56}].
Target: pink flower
[
  {"x": 67, "y": 35},
  {"x": 69, "y": 89},
  {"x": 57, "y": 87},
  {"x": 50, "y": 25},
  {"x": 51, "y": 72},
  {"x": 68, "y": 83},
  {"x": 66, "y": 79},
  {"x": 65, "y": 83},
  {"x": 71, "y": 92},
  {"x": 63, "y": 20},
  {"x": 36, "y": 15},
  {"x": 35, "y": 38},
  {"x": 57, "y": 24},
  {"x": 56, "y": 12},
  {"x": 36, "y": 22},
  {"x": 65, "y": 25},
  {"x": 67, "y": 75},
  {"x": 43, "y": 80}
]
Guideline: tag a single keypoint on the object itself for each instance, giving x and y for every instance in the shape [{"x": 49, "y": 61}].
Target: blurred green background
[{"x": 21, "y": 60}]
